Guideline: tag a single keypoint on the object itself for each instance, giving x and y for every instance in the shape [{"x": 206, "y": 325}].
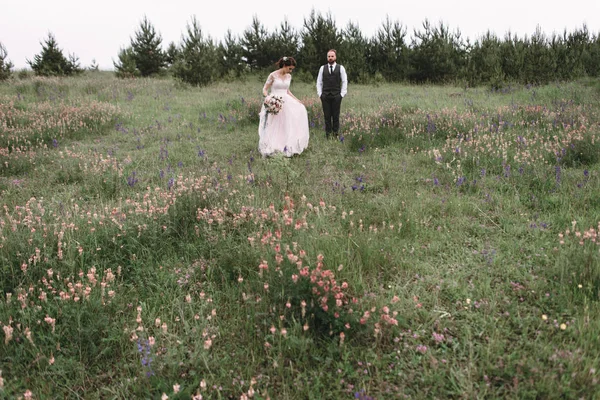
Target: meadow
[{"x": 446, "y": 246}]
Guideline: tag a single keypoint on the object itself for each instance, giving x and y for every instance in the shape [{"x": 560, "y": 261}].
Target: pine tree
[
  {"x": 484, "y": 62},
  {"x": 512, "y": 52},
  {"x": 319, "y": 35},
  {"x": 197, "y": 64},
  {"x": 437, "y": 55},
  {"x": 389, "y": 52},
  {"x": 231, "y": 61},
  {"x": 52, "y": 62},
  {"x": 353, "y": 51},
  {"x": 172, "y": 54},
  {"x": 286, "y": 41},
  {"x": 591, "y": 58},
  {"x": 258, "y": 46},
  {"x": 538, "y": 63},
  {"x": 126, "y": 67},
  {"x": 5, "y": 65},
  {"x": 148, "y": 55}
]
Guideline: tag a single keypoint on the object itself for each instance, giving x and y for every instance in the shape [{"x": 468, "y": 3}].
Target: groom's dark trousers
[{"x": 331, "y": 111}]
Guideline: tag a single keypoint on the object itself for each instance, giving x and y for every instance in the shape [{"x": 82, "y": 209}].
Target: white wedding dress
[{"x": 287, "y": 131}]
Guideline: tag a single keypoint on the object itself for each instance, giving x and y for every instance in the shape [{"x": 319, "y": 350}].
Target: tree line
[{"x": 433, "y": 53}]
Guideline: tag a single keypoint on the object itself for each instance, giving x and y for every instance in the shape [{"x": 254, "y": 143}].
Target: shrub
[
  {"x": 126, "y": 67},
  {"x": 52, "y": 62}
]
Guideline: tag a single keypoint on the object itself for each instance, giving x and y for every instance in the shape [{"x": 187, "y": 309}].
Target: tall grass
[{"x": 445, "y": 247}]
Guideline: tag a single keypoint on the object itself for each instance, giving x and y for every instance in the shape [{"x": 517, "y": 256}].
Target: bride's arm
[{"x": 268, "y": 85}]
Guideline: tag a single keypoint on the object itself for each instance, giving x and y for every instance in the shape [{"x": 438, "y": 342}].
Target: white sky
[{"x": 97, "y": 30}]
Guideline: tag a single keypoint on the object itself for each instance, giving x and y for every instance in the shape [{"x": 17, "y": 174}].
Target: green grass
[{"x": 150, "y": 245}]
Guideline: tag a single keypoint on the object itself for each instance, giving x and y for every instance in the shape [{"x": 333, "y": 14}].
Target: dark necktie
[{"x": 331, "y": 69}]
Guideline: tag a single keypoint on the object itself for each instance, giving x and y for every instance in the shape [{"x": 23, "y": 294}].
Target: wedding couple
[{"x": 283, "y": 126}]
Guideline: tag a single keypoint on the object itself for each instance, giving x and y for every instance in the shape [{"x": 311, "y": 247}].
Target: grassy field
[{"x": 445, "y": 247}]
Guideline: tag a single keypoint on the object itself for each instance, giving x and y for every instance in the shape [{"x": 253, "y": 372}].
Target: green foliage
[
  {"x": 437, "y": 55},
  {"x": 353, "y": 53},
  {"x": 581, "y": 153},
  {"x": 259, "y": 48},
  {"x": 173, "y": 54},
  {"x": 23, "y": 74},
  {"x": 197, "y": 64},
  {"x": 230, "y": 58},
  {"x": 286, "y": 41},
  {"x": 484, "y": 65},
  {"x": 52, "y": 62},
  {"x": 126, "y": 67},
  {"x": 147, "y": 52},
  {"x": 538, "y": 62},
  {"x": 5, "y": 65},
  {"x": 512, "y": 55},
  {"x": 319, "y": 35},
  {"x": 388, "y": 52}
]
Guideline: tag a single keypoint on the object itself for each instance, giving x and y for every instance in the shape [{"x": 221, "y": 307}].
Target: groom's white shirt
[{"x": 343, "y": 75}]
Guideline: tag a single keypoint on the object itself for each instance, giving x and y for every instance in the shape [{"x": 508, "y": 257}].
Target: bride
[{"x": 285, "y": 129}]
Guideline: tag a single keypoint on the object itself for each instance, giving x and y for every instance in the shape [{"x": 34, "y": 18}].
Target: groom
[{"x": 332, "y": 85}]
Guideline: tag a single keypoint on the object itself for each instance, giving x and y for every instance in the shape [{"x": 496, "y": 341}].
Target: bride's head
[{"x": 286, "y": 62}]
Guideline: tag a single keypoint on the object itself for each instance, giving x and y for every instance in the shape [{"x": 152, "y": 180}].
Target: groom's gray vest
[{"x": 332, "y": 83}]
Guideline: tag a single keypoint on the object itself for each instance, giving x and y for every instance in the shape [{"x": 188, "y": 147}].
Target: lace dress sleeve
[{"x": 268, "y": 84}]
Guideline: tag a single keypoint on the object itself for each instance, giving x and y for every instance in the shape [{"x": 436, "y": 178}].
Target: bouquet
[{"x": 273, "y": 104}]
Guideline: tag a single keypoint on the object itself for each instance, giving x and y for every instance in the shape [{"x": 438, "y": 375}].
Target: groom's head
[{"x": 331, "y": 56}]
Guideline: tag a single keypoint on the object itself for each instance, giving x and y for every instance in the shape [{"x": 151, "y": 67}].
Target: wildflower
[
  {"x": 563, "y": 326},
  {"x": 544, "y": 317},
  {"x": 28, "y": 335},
  {"x": 164, "y": 397},
  {"x": 8, "y": 331},
  {"x": 422, "y": 349},
  {"x": 207, "y": 344},
  {"x": 176, "y": 388}
]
